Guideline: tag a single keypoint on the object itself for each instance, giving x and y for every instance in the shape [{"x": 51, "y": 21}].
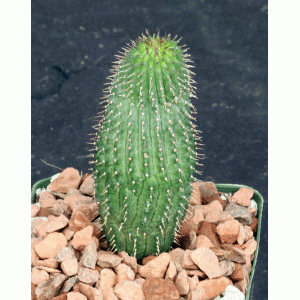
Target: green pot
[{"x": 222, "y": 187}]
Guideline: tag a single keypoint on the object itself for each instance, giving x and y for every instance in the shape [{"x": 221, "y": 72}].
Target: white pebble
[
  {"x": 39, "y": 191},
  {"x": 253, "y": 204},
  {"x": 232, "y": 293},
  {"x": 54, "y": 177},
  {"x": 223, "y": 197}
]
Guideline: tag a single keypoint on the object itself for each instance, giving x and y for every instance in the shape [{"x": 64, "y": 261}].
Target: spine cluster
[{"x": 146, "y": 146}]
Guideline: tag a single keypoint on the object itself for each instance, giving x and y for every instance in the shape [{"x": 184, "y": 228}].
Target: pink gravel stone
[
  {"x": 91, "y": 211},
  {"x": 187, "y": 262},
  {"x": 76, "y": 296},
  {"x": 47, "y": 199},
  {"x": 87, "y": 187},
  {"x": 129, "y": 290},
  {"x": 38, "y": 276},
  {"x": 243, "y": 196},
  {"x": 82, "y": 238},
  {"x": 214, "y": 287},
  {"x": 207, "y": 261},
  {"x": 67, "y": 179},
  {"x": 124, "y": 272},
  {"x": 90, "y": 292},
  {"x": 51, "y": 245},
  {"x": 77, "y": 199},
  {"x": 157, "y": 267},
  {"x": 34, "y": 210},
  {"x": 57, "y": 224},
  {"x": 108, "y": 278},
  {"x": 203, "y": 241},
  {"x": 70, "y": 267},
  {"x": 129, "y": 260},
  {"x": 182, "y": 282},
  {"x": 156, "y": 289},
  {"x": 49, "y": 263},
  {"x": 68, "y": 233},
  {"x": 41, "y": 228},
  {"x": 250, "y": 247},
  {"x": 106, "y": 259},
  {"x": 228, "y": 231},
  {"x": 171, "y": 272}
]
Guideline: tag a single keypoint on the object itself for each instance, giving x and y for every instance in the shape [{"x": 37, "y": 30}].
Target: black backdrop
[{"x": 73, "y": 45}]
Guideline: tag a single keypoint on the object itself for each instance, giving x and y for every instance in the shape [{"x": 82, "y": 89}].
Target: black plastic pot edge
[{"x": 222, "y": 187}]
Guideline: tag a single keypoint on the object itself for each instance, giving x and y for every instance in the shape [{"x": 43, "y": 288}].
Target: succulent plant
[{"x": 146, "y": 146}]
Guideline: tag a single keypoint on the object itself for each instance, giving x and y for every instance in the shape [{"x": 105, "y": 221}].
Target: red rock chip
[
  {"x": 228, "y": 231},
  {"x": 57, "y": 224},
  {"x": 73, "y": 200},
  {"x": 237, "y": 274},
  {"x": 82, "y": 238},
  {"x": 217, "y": 217},
  {"x": 148, "y": 258},
  {"x": 91, "y": 211},
  {"x": 243, "y": 196},
  {"x": 254, "y": 224},
  {"x": 47, "y": 199},
  {"x": 214, "y": 287},
  {"x": 210, "y": 193},
  {"x": 87, "y": 187},
  {"x": 155, "y": 289},
  {"x": 206, "y": 229}
]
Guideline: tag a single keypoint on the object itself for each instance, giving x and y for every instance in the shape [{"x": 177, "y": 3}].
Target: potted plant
[{"x": 146, "y": 149}]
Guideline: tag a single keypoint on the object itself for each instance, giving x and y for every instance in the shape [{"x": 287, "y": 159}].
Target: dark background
[{"x": 73, "y": 46}]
